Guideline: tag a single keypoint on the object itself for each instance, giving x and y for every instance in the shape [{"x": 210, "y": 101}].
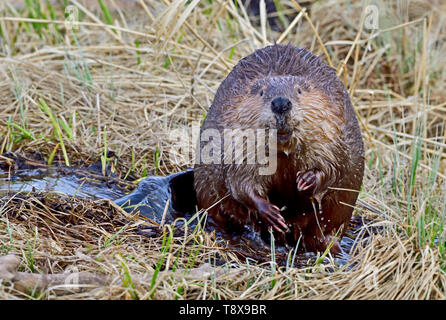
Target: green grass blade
[{"x": 44, "y": 107}]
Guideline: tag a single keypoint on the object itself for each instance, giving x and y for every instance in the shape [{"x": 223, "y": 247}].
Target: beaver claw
[
  {"x": 270, "y": 214},
  {"x": 306, "y": 181}
]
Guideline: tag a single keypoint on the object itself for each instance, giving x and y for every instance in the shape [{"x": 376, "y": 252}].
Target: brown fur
[{"x": 325, "y": 140}]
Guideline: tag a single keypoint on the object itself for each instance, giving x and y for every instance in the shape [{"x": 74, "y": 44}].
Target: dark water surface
[{"x": 78, "y": 183}]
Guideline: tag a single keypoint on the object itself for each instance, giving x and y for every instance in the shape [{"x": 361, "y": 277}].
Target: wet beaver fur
[{"x": 320, "y": 153}]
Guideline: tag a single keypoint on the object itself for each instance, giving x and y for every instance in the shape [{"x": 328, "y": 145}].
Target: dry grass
[{"x": 156, "y": 69}]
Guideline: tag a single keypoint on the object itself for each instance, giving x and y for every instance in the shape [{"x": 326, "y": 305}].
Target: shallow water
[{"x": 73, "y": 183}]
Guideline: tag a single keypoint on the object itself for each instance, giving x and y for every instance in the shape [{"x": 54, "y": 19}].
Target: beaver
[{"x": 310, "y": 196}]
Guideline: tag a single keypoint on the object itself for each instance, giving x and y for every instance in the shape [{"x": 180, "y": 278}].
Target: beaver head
[{"x": 277, "y": 103}]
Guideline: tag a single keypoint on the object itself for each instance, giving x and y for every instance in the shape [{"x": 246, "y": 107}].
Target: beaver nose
[{"x": 281, "y": 105}]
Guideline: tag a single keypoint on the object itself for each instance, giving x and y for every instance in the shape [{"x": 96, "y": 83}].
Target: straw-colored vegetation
[{"x": 131, "y": 72}]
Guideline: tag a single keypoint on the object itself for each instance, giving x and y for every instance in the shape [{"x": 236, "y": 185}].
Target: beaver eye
[
  {"x": 261, "y": 92},
  {"x": 299, "y": 91}
]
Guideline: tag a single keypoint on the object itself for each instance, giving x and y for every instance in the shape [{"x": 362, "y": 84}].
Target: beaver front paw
[
  {"x": 306, "y": 181},
  {"x": 270, "y": 215}
]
